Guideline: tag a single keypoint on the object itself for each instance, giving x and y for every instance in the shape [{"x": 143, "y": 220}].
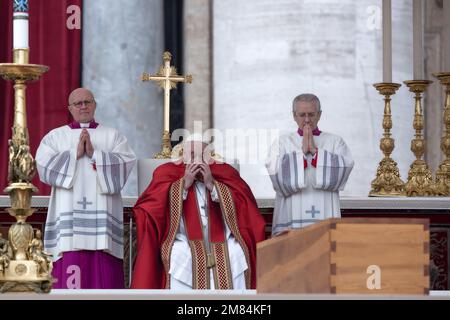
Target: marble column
[
  {"x": 197, "y": 61},
  {"x": 121, "y": 40}
]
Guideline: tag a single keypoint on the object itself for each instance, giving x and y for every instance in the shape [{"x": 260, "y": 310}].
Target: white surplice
[
  {"x": 85, "y": 210},
  {"x": 181, "y": 257},
  {"x": 305, "y": 196}
]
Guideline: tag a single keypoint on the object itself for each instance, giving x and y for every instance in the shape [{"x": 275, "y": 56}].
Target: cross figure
[
  {"x": 167, "y": 79},
  {"x": 313, "y": 211},
  {"x": 84, "y": 203}
]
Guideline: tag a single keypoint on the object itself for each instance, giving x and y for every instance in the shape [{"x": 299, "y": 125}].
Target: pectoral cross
[{"x": 167, "y": 79}]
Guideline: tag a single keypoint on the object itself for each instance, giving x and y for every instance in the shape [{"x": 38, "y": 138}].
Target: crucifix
[{"x": 167, "y": 79}]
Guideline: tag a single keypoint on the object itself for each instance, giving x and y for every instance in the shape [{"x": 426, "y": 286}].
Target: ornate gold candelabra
[
  {"x": 442, "y": 180},
  {"x": 387, "y": 181},
  {"x": 420, "y": 181},
  {"x": 167, "y": 79},
  {"x": 24, "y": 266}
]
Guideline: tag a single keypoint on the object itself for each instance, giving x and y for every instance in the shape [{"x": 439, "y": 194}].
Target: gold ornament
[
  {"x": 387, "y": 181},
  {"x": 20, "y": 268},
  {"x": 420, "y": 181},
  {"x": 167, "y": 79},
  {"x": 442, "y": 180}
]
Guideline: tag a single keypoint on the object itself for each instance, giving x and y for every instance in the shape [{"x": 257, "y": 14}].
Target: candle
[
  {"x": 20, "y": 24},
  {"x": 417, "y": 40},
  {"x": 387, "y": 41},
  {"x": 446, "y": 36}
]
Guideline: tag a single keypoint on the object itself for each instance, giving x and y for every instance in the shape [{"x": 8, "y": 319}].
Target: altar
[{"x": 437, "y": 210}]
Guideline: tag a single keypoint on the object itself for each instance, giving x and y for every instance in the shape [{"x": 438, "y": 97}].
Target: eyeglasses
[
  {"x": 79, "y": 104},
  {"x": 304, "y": 114}
]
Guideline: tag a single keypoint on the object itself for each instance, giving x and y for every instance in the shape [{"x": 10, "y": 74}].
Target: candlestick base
[{"x": 166, "y": 151}]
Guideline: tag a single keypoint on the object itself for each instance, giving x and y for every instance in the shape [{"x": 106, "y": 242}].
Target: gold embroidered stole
[{"x": 202, "y": 262}]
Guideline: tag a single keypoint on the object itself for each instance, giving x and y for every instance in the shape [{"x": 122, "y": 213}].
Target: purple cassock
[
  {"x": 88, "y": 270},
  {"x": 81, "y": 268}
]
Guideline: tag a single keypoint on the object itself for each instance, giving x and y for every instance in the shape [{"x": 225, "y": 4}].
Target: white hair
[{"x": 306, "y": 97}]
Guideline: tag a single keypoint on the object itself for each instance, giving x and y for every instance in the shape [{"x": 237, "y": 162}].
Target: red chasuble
[{"x": 158, "y": 212}]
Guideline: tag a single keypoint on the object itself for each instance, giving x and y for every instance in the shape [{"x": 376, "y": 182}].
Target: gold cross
[{"x": 167, "y": 79}]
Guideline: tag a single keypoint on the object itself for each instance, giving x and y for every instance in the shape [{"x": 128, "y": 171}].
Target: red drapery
[{"x": 51, "y": 44}]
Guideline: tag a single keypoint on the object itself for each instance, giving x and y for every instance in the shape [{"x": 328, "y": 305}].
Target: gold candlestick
[
  {"x": 24, "y": 266},
  {"x": 387, "y": 181},
  {"x": 420, "y": 181},
  {"x": 442, "y": 180}
]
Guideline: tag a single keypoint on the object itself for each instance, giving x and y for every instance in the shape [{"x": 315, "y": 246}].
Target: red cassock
[{"x": 156, "y": 208}]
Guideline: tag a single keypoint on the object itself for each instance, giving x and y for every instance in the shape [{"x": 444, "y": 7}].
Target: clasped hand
[
  {"x": 195, "y": 170},
  {"x": 308, "y": 145},
  {"x": 85, "y": 145}
]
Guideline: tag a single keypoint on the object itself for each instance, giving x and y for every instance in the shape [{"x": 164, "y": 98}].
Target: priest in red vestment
[{"x": 197, "y": 227}]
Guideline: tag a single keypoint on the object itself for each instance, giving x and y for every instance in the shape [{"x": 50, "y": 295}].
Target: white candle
[
  {"x": 446, "y": 36},
  {"x": 417, "y": 40},
  {"x": 387, "y": 41},
  {"x": 20, "y": 24}
]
